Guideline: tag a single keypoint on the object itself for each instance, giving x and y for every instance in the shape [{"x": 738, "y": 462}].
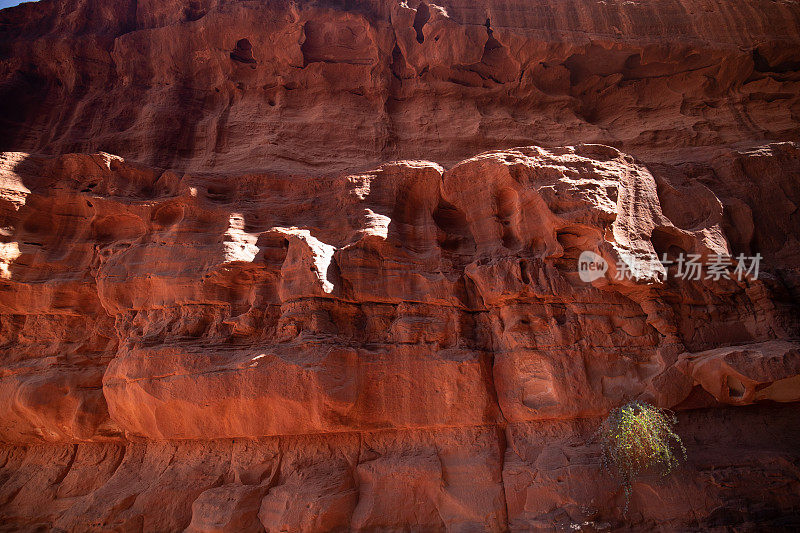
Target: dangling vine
[{"x": 637, "y": 439}]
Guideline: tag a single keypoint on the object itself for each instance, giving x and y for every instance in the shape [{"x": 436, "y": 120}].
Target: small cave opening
[
  {"x": 218, "y": 193},
  {"x": 420, "y": 19},
  {"x": 559, "y": 312},
  {"x": 243, "y": 52},
  {"x": 523, "y": 272},
  {"x": 194, "y": 11},
  {"x": 670, "y": 242},
  {"x": 493, "y": 48},
  {"x": 399, "y": 66},
  {"x": 272, "y": 249},
  {"x": 573, "y": 241},
  {"x": 455, "y": 235},
  {"x": 493, "y": 52},
  {"x": 762, "y": 64},
  {"x": 506, "y": 207},
  {"x": 736, "y": 388}
]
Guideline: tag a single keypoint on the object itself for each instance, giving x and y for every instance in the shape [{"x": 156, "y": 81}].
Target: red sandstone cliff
[{"x": 312, "y": 266}]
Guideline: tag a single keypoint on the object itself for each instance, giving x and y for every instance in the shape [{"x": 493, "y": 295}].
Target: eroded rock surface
[
  {"x": 314, "y": 266},
  {"x": 317, "y": 86}
]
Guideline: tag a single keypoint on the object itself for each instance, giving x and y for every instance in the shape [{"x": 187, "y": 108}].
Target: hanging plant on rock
[{"x": 638, "y": 439}]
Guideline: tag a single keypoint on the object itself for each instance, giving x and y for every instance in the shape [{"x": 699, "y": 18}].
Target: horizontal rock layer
[
  {"x": 321, "y": 86},
  {"x": 536, "y": 476},
  {"x": 185, "y": 310}
]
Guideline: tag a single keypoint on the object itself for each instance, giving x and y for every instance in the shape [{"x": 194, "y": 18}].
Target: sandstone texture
[{"x": 314, "y": 265}]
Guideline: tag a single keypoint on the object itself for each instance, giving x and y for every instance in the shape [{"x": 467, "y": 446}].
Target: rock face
[{"x": 315, "y": 266}]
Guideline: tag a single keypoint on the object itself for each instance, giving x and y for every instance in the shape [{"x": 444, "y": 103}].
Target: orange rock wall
[{"x": 312, "y": 266}]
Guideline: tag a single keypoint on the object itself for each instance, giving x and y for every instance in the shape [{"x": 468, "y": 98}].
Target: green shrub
[{"x": 638, "y": 439}]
